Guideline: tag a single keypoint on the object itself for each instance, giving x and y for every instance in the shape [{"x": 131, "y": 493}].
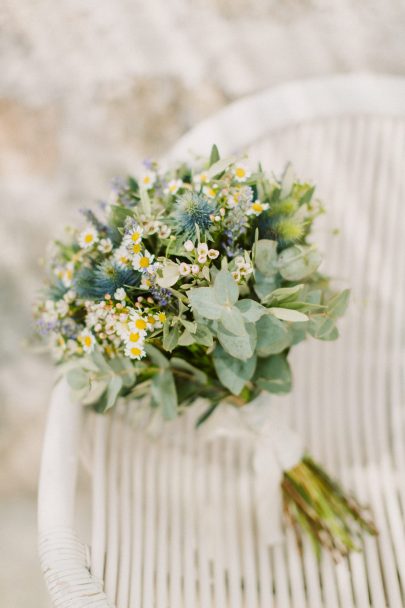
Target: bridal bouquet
[{"x": 197, "y": 282}]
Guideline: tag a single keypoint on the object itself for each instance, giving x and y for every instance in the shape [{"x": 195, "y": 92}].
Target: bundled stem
[{"x": 316, "y": 505}]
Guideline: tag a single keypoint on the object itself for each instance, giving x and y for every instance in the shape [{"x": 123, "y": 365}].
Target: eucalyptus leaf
[
  {"x": 219, "y": 167},
  {"x": 203, "y": 300},
  {"x": 164, "y": 393},
  {"x": 338, "y": 304},
  {"x": 226, "y": 288},
  {"x": 283, "y": 294},
  {"x": 186, "y": 338},
  {"x": 240, "y": 347},
  {"x": 233, "y": 373},
  {"x": 203, "y": 336},
  {"x": 274, "y": 375},
  {"x": 170, "y": 336},
  {"x": 264, "y": 286},
  {"x": 250, "y": 309},
  {"x": 77, "y": 378},
  {"x": 288, "y": 314},
  {"x": 113, "y": 390},
  {"x": 214, "y": 156},
  {"x": 233, "y": 321},
  {"x": 322, "y": 327},
  {"x": 273, "y": 336},
  {"x": 156, "y": 356},
  {"x": 298, "y": 262},
  {"x": 265, "y": 257},
  {"x": 177, "y": 363}
]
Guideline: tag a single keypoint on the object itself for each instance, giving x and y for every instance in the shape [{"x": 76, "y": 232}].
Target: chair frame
[{"x": 64, "y": 558}]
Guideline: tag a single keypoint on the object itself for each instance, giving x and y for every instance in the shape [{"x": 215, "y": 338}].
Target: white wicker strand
[
  {"x": 125, "y": 519},
  {"x": 99, "y": 497}
]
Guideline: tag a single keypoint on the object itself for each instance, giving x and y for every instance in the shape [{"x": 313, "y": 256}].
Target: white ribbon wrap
[{"x": 275, "y": 449}]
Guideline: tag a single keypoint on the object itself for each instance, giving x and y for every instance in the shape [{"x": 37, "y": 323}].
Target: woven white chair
[{"x": 151, "y": 546}]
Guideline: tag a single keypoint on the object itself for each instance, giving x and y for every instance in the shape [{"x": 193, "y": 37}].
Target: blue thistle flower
[
  {"x": 193, "y": 210},
  {"x": 95, "y": 282}
]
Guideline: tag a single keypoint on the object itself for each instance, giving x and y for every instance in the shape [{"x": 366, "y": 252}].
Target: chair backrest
[{"x": 347, "y": 134}]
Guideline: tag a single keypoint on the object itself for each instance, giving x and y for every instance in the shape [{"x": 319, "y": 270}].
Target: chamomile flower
[
  {"x": 257, "y": 208},
  {"x": 142, "y": 261},
  {"x": 120, "y": 294},
  {"x": 134, "y": 248},
  {"x": 137, "y": 322},
  {"x": 210, "y": 192},
  {"x": 88, "y": 237},
  {"x": 200, "y": 178},
  {"x": 160, "y": 318},
  {"x": 148, "y": 179},
  {"x": 122, "y": 257},
  {"x": 62, "y": 308},
  {"x": 105, "y": 246},
  {"x": 184, "y": 269},
  {"x": 134, "y": 338},
  {"x": 241, "y": 172},
  {"x": 134, "y": 351},
  {"x": 87, "y": 341},
  {"x": 133, "y": 234},
  {"x": 173, "y": 186},
  {"x": 67, "y": 275}
]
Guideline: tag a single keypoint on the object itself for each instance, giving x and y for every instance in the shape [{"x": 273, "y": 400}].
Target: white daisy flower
[
  {"x": 213, "y": 254},
  {"x": 67, "y": 275},
  {"x": 200, "y": 178},
  {"x": 148, "y": 179},
  {"x": 142, "y": 261},
  {"x": 134, "y": 338},
  {"x": 189, "y": 245},
  {"x": 105, "y": 246},
  {"x": 160, "y": 318},
  {"x": 133, "y": 248},
  {"x": 87, "y": 341},
  {"x": 62, "y": 308},
  {"x": 257, "y": 208},
  {"x": 120, "y": 294},
  {"x": 134, "y": 352},
  {"x": 134, "y": 234},
  {"x": 137, "y": 322},
  {"x": 88, "y": 237},
  {"x": 241, "y": 172},
  {"x": 184, "y": 269},
  {"x": 173, "y": 186},
  {"x": 208, "y": 191},
  {"x": 236, "y": 275},
  {"x": 121, "y": 256}
]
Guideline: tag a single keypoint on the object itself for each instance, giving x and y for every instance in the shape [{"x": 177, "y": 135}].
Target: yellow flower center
[
  {"x": 257, "y": 206},
  {"x": 144, "y": 262},
  {"x": 136, "y": 247},
  {"x": 146, "y": 179},
  {"x": 135, "y": 236},
  {"x": 87, "y": 341},
  {"x": 140, "y": 324},
  {"x": 135, "y": 351},
  {"x": 240, "y": 172},
  {"x": 151, "y": 320},
  {"x": 134, "y": 336},
  {"x": 162, "y": 317},
  {"x": 123, "y": 260},
  {"x": 88, "y": 238}
]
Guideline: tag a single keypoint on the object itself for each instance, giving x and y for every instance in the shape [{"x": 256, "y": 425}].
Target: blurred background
[{"x": 89, "y": 88}]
